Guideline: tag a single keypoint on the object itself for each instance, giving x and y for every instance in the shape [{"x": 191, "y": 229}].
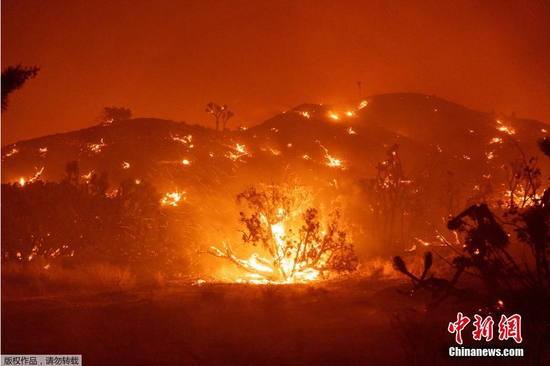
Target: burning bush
[{"x": 299, "y": 243}]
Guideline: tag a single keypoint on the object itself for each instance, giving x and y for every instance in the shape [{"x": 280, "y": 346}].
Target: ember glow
[
  {"x": 332, "y": 161},
  {"x": 173, "y": 198},
  {"x": 303, "y": 113},
  {"x": 88, "y": 177},
  {"x": 96, "y": 148},
  {"x": 238, "y": 152},
  {"x": 184, "y": 140},
  {"x": 22, "y": 181},
  {"x": 503, "y": 128},
  {"x": 10, "y": 153}
]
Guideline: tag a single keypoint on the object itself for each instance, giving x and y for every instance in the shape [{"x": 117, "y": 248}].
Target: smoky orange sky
[{"x": 168, "y": 58}]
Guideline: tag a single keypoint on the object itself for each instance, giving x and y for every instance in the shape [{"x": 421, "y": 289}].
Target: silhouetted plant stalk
[{"x": 487, "y": 245}]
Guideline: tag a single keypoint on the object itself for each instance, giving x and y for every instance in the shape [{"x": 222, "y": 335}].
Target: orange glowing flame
[
  {"x": 186, "y": 162},
  {"x": 172, "y": 198},
  {"x": 304, "y": 114},
  {"x": 333, "y": 116},
  {"x": 351, "y": 131},
  {"x": 34, "y": 178},
  {"x": 501, "y": 127},
  {"x": 10, "y": 153},
  {"x": 496, "y": 140},
  {"x": 184, "y": 140},
  {"x": 240, "y": 148},
  {"x": 112, "y": 194},
  {"x": 332, "y": 161},
  {"x": 42, "y": 151},
  {"x": 125, "y": 165},
  {"x": 362, "y": 105},
  {"x": 239, "y": 152},
  {"x": 88, "y": 177},
  {"x": 96, "y": 148}
]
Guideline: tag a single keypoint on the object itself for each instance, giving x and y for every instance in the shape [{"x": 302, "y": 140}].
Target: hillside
[{"x": 335, "y": 149}]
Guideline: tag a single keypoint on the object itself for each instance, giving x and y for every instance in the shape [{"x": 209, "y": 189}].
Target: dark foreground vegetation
[{"x": 363, "y": 321}]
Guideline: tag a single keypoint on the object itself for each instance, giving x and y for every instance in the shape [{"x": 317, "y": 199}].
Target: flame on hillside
[
  {"x": 173, "y": 198},
  {"x": 10, "y": 153}
]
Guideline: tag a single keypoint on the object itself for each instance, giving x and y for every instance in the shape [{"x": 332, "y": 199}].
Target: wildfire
[
  {"x": 496, "y": 140},
  {"x": 332, "y": 161},
  {"x": 333, "y": 116},
  {"x": 501, "y": 127},
  {"x": 112, "y": 194},
  {"x": 362, "y": 105},
  {"x": 239, "y": 152},
  {"x": 88, "y": 177},
  {"x": 34, "y": 178},
  {"x": 186, "y": 162},
  {"x": 10, "y": 153},
  {"x": 240, "y": 148},
  {"x": 172, "y": 198},
  {"x": 125, "y": 165},
  {"x": 351, "y": 131},
  {"x": 184, "y": 140},
  {"x": 96, "y": 148},
  {"x": 42, "y": 151},
  {"x": 298, "y": 244},
  {"x": 304, "y": 114}
]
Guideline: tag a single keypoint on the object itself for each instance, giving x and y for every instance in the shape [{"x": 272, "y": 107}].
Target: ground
[{"x": 351, "y": 321}]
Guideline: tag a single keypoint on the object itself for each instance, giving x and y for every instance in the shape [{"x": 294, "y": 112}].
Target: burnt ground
[{"x": 358, "y": 322}]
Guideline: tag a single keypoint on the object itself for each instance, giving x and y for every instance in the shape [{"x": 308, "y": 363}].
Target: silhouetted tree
[
  {"x": 220, "y": 113},
  {"x": 13, "y": 78},
  {"x": 114, "y": 114},
  {"x": 389, "y": 194}
]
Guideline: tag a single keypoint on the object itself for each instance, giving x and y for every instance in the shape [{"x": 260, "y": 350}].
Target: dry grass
[{"x": 41, "y": 279}]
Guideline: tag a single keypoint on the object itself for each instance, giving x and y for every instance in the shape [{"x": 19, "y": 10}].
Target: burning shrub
[{"x": 301, "y": 245}]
